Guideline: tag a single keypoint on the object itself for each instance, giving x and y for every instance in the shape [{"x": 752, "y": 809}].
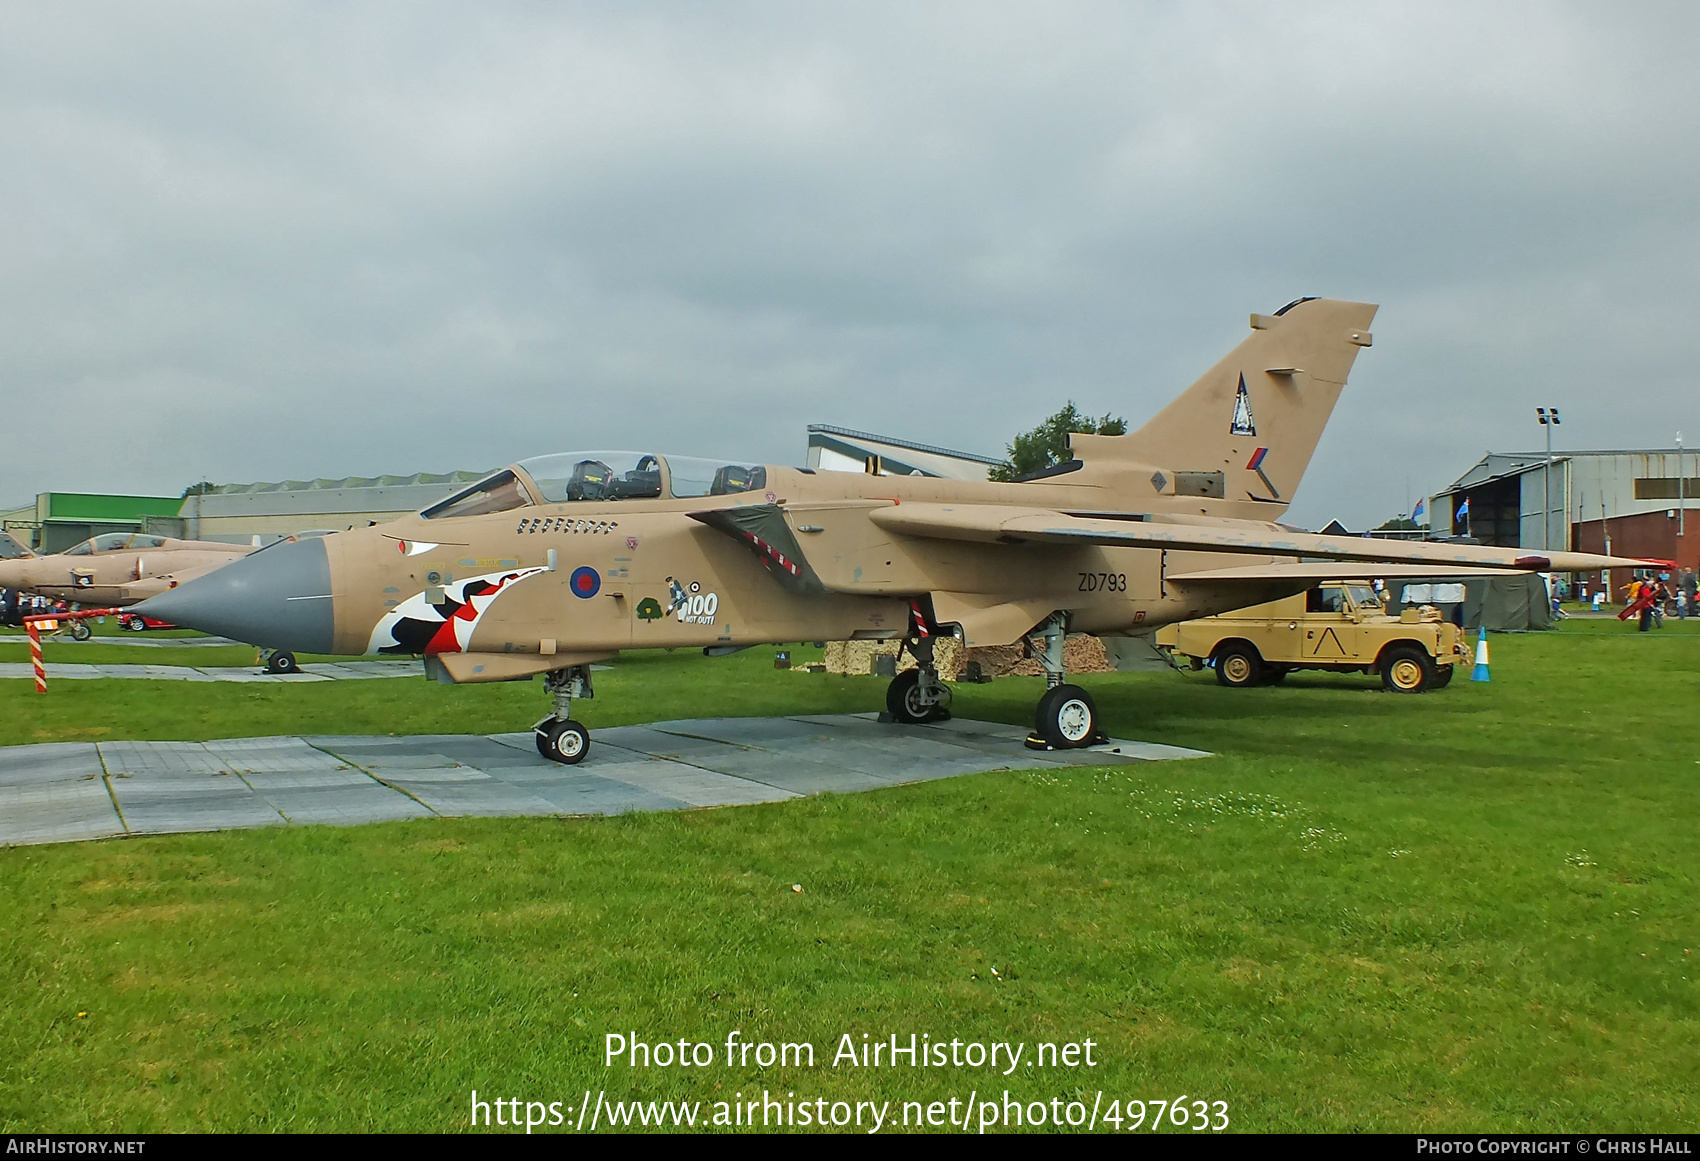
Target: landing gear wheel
[
  {"x": 1443, "y": 674},
  {"x": 565, "y": 742},
  {"x": 134, "y": 624},
  {"x": 1238, "y": 665},
  {"x": 80, "y": 631},
  {"x": 904, "y": 702},
  {"x": 1407, "y": 669},
  {"x": 1068, "y": 718},
  {"x": 283, "y": 661}
]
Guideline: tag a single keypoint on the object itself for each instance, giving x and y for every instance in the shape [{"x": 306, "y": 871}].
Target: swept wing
[{"x": 991, "y": 523}]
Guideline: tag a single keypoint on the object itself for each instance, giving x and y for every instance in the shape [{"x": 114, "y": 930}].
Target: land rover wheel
[
  {"x": 1443, "y": 674},
  {"x": 1275, "y": 675},
  {"x": 1238, "y": 665},
  {"x": 1407, "y": 669}
]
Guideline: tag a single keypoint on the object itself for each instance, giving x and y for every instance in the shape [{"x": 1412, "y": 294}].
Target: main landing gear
[
  {"x": 559, "y": 738},
  {"x": 1067, "y": 717}
]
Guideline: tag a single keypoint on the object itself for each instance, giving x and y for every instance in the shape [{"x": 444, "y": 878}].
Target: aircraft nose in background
[{"x": 279, "y": 598}]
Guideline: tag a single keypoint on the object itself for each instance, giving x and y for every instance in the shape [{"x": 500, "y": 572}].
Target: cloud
[{"x": 264, "y": 243}]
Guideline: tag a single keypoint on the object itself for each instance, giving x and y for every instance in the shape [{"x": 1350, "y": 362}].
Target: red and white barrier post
[
  {"x": 33, "y": 624},
  {"x": 35, "y": 657}
]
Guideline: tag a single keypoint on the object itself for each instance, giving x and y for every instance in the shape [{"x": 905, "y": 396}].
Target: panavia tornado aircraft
[
  {"x": 117, "y": 568},
  {"x": 563, "y": 560}
]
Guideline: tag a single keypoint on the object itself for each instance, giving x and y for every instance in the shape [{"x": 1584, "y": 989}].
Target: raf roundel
[{"x": 585, "y": 582}]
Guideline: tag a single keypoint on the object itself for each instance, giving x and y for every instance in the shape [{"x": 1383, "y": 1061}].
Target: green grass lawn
[{"x": 1470, "y": 910}]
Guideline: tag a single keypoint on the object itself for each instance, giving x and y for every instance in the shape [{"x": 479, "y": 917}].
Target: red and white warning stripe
[{"x": 35, "y": 657}]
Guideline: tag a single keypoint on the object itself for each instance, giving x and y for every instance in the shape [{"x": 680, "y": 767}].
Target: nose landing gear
[
  {"x": 917, "y": 696},
  {"x": 559, "y": 738},
  {"x": 281, "y": 661}
]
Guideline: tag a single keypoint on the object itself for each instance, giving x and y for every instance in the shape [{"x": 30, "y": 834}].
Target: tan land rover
[{"x": 1339, "y": 625}]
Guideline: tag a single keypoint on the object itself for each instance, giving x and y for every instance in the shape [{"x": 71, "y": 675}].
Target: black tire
[
  {"x": 283, "y": 661},
  {"x": 1407, "y": 669},
  {"x": 903, "y": 701},
  {"x": 564, "y": 742},
  {"x": 80, "y": 631},
  {"x": 1275, "y": 675},
  {"x": 1067, "y": 718},
  {"x": 1238, "y": 665},
  {"x": 1443, "y": 675}
]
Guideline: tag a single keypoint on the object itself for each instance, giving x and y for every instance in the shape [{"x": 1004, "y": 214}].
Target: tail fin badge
[{"x": 1243, "y": 423}]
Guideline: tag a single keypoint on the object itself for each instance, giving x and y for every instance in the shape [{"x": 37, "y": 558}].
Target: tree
[
  {"x": 1399, "y": 524},
  {"x": 200, "y": 489},
  {"x": 1047, "y": 445}
]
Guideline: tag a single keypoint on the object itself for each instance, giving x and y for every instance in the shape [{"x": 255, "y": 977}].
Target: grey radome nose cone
[{"x": 279, "y": 598}]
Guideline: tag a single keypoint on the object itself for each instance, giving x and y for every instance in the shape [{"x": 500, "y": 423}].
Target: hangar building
[
  {"x": 839, "y": 449},
  {"x": 1630, "y": 503},
  {"x": 234, "y": 513}
]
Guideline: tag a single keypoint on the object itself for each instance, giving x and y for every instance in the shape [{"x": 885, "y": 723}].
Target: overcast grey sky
[{"x": 248, "y": 243}]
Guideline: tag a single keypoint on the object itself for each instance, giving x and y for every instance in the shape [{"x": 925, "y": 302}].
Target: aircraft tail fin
[{"x": 1245, "y": 431}]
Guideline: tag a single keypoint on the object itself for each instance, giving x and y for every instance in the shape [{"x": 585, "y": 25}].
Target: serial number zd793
[{"x": 1103, "y": 582}]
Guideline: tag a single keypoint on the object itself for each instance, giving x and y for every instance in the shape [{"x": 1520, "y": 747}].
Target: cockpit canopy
[
  {"x": 599, "y": 475},
  {"x": 113, "y": 541}
]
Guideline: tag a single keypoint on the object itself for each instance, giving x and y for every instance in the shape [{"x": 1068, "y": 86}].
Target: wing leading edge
[{"x": 988, "y": 523}]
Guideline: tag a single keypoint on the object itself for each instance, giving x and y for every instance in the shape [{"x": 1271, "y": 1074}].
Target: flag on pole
[
  {"x": 1419, "y": 514},
  {"x": 1464, "y": 508}
]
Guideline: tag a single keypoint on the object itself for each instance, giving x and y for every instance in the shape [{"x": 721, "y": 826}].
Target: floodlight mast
[
  {"x": 1548, "y": 417},
  {"x": 1681, "y": 501}
]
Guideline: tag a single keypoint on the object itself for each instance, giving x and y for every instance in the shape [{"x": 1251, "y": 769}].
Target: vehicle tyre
[
  {"x": 80, "y": 631},
  {"x": 565, "y": 742},
  {"x": 1067, "y": 717},
  {"x": 903, "y": 701},
  {"x": 1443, "y": 674},
  {"x": 1407, "y": 669},
  {"x": 1275, "y": 675},
  {"x": 282, "y": 661},
  {"x": 135, "y": 624},
  {"x": 1238, "y": 665}
]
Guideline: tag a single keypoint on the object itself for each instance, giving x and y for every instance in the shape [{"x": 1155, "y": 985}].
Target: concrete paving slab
[
  {"x": 49, "y": 762},
  {"x": 64, "y": 791},
  {"x": 167, "y": 804},
  {"x": 57, "y": 811},
  {"x": 482, "y": 797},
  {"x": 347, "y": 804},
  {"x": 273, "y": 755},
  {"x": 746, "y": 731},
  {"x": 311, "y": 672},
  {"x": 168, "y": 758}
]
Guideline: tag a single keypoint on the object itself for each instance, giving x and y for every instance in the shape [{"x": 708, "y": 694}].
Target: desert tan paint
[
  {"x": 117, "y": 577},
  {"x": 1114, "y": 543}
]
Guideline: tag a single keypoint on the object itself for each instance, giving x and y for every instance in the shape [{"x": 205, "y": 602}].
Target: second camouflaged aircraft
[{"x": 563, "y": 560}]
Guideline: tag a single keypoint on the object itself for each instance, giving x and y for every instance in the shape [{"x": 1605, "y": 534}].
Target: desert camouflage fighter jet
[
  {"x": 117, "y": 568},
  {"x": 563, "y": 560}
]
